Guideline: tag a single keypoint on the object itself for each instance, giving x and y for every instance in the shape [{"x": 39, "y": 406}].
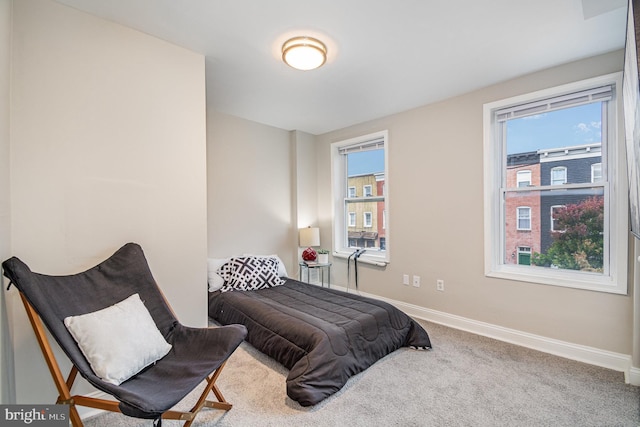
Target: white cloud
[
  {"x": 583, "y": 127},
  {"x": 588, "y": 127}
]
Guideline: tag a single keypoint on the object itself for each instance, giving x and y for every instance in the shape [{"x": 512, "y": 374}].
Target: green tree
[{"x": 579, "y": 244}]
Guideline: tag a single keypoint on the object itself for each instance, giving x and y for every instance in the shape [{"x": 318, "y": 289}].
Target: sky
[
  {"x": 364, "y": 162},
  {"x": 561, "y": 128}
]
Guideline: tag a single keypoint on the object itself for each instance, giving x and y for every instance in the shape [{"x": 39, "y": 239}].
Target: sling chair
[{"x": 196, "y": 355}]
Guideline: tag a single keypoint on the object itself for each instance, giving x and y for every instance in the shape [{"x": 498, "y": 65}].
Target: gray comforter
[{"x": 323, "y": 336}]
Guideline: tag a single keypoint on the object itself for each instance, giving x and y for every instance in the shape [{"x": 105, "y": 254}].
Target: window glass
[
  {"x": 523, "y": 178},
  {"x": 556, "y": 212},
  {"x": 352, "y": 219},
  {"x": 554, "y": 136},
  {"x": 360, "y": 219},
  {"x": 549, "y": 190},
  {"x": 596, "y": 172},
  {"x": 368, "y": 219},
  {"x": 559, "y": 175},
  {"x": 524, "y": 218}
]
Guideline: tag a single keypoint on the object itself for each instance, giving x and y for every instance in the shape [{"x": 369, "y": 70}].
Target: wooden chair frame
[{"x": 64, "y": 386}]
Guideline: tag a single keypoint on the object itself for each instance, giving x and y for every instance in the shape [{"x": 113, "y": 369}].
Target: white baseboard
[
  {"x": 591, "y": 355},
  {"x": 634, "y": 376}
]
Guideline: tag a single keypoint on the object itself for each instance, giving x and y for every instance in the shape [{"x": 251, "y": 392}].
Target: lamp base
[{"x": 309, "y": 254}]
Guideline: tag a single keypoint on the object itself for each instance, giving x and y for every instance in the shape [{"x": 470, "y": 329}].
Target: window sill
[
  {"x": 567, "y": 279},
  {"x": 364, "y": 258}
]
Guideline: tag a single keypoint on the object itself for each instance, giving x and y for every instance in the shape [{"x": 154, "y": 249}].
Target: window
[
  {"x": 368, "y": 220},
  {"x": 361, "y": 163},
  {"x": 596, "y": 172},
  {"x": 568, "y": 137},
  {"x": 352, "y": 219},
  {"x": 524, "y": 218},
  {"x": 559, "y": 175},
  {"x": 523, "y": 178},
  {"x": 555, "y": 211}
]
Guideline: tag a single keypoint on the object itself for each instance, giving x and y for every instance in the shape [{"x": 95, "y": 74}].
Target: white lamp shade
[{"x": 309, "y": 236}]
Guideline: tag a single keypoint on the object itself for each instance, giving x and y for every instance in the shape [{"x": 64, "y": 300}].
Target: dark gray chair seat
[{"x": 197, "y": 354}]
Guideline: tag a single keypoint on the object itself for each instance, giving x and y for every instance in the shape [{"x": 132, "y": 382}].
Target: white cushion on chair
[{"x": 118, "y": 341}]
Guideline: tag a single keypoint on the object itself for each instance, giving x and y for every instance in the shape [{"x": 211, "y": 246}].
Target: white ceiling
[{"x": 385, "y": 56}]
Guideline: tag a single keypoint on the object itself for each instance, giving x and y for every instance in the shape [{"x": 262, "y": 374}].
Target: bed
[{"x": 323, "y": 336}]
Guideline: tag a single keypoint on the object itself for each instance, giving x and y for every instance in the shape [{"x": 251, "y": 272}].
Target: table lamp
[{"x": 309, "y": 237}]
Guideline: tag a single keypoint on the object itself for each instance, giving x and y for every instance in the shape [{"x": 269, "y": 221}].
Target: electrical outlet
[
  {"x": 416, "y": 281},
  {"x": 440, "y": 285},
  {"x": 405, "y": 279}
]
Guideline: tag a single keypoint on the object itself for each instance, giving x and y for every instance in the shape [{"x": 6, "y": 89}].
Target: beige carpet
[{"x": 466, "y": 380}]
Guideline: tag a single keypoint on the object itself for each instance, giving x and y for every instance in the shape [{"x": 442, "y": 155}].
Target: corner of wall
[
  {"x": 7, "y": 372},
  {"x": 305, "y": 200}
]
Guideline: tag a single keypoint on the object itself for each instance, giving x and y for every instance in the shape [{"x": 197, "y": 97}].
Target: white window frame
[
  {"x": 367, "y": 220},
  {"x": 352, "y": 219},
  {"x": 526, "y": 173},
  {"x": 519, "y": 217},
  {"x": 596, "y": 172},
  {"x": 351, "y": 192},
  {"x": 367, "y": 190},
  {"x": 614, "y": 279},
  {"x": 554, "y": 207},
  {"x": 339, "y": 176},
  {"x": 553, "y": 180}
]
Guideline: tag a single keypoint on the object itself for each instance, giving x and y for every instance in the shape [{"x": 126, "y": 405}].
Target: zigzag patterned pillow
[{"x": 249, "y": 274}]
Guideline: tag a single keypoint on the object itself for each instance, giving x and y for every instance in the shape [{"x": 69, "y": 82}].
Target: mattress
[{"x": 323, "y": 336}]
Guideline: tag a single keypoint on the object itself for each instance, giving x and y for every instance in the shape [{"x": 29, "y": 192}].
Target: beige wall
[
  {"x": 306, "y": 196},
  {"x": 250, "y": 189},
  {"x": 7, "y": 394},
  {"x": 108, "y": 146},
  {"x": 306, "y": 171},
  {"x": 437, "y": 227}
]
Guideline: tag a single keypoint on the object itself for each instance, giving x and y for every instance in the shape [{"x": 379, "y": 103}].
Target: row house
[
  {"x": 529, "y": 215},
  {"x": 366, "y": 219}
]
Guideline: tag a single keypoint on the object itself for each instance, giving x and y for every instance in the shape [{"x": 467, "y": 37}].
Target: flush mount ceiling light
[{"x": 304, "y": 53}]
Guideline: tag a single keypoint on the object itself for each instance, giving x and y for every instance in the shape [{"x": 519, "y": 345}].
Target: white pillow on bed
[
  {"x": 118, "y": 341},
  {"x": 215, "y": 281}
]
